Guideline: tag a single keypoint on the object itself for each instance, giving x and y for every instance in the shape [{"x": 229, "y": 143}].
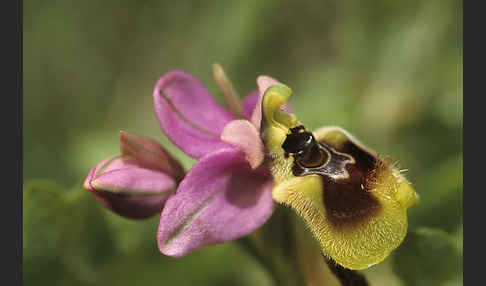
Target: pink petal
[
  {"x": 129, "y": 190},
  {"x": 220, "y": 199},
  {"x": 246, "y": 137},
  {"x": 188, "y": 114},
  {"x": 263, "y": 82}
]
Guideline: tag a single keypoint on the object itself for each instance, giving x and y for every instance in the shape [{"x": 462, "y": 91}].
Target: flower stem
[
  {"x": 274, "y": 247},
  {"x": 249, "y": 245},
  {"x": 347, "y": 277},
  {"x": 285, "y": 248}
]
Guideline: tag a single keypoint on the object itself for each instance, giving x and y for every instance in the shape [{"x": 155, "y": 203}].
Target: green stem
[
  {"x": 274, "y": 247},
  {"x": 289, "y": 253},
  {"x": 347, "y": 277},
  {"x": 249, "y": 245}
]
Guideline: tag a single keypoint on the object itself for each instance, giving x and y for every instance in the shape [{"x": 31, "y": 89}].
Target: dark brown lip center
[{"x": 346, "y": 172}]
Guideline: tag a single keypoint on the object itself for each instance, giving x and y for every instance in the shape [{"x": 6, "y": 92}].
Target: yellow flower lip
[{"x": 353, "y": 201}]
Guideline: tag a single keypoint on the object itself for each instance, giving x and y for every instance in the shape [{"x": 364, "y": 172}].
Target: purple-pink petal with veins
[
  {"x": 188, "y": 114},
  {"x": 246, "y": 137},
  {"x": 128, "y": 189},
  {"x": 219, "y": 200}
]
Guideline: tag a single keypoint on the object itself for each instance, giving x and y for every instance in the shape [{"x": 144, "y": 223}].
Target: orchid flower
[
  {"x": 227, "y": 193},
  {"x": 249, "y": 156}
]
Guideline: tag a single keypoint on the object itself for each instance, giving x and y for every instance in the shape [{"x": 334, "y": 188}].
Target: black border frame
[{"x": 11, "y": 209}]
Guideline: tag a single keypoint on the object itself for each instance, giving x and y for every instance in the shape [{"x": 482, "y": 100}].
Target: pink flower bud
[
  {"x": 137, "y": 183},
  {"x": 151, "y": 154}
]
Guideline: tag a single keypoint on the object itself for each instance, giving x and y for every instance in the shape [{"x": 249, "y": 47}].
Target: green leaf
[
  {"x": 65, "y": 235},
  {"x": 427, "y": 257}
]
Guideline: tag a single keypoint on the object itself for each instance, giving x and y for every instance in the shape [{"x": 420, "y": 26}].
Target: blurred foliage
[
  {"x": 389, "y": 72},
  {"x": 427, "y": 257},
  {"x": 59, "y": 235}
]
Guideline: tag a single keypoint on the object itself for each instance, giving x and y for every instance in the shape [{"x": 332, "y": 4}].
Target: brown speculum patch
[{"x": 347, "y": 172}]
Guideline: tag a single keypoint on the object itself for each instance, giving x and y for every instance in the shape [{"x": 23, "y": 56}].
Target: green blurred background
[{"x": 388, "y": 71}]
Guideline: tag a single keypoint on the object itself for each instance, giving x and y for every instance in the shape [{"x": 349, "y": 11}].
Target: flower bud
[
  {"x": 150, "y": 154},
  {"x": 137, "y": 183},
  {"x": 353, "y": 200}
]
